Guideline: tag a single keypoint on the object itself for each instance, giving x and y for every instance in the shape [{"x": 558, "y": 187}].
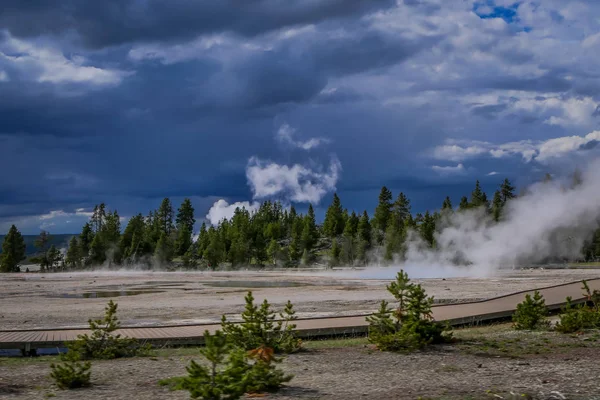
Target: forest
[{"x": 272, "y": 236}]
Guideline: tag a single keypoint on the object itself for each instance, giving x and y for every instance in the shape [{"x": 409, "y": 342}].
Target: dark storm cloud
[
  {"x": 126, "y": 102},
  {"x": 115, "y": 22}
]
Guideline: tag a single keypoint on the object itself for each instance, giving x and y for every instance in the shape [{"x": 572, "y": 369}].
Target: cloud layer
[{"x": 127, "y": 102}]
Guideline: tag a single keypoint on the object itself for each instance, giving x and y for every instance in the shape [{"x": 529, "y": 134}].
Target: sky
[{"x": 126, "y": 102}]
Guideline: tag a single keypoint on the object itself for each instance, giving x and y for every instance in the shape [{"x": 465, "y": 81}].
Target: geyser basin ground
[{"x": 56, "y": 300}]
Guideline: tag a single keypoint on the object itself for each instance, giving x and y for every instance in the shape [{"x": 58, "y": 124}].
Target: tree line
[{"x": 272, "y": 235}]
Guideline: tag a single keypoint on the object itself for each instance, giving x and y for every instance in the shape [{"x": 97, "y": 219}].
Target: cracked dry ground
[{"x": 484, "y": 363}]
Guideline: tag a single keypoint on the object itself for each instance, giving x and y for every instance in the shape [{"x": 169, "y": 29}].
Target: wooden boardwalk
[{"x": 455, "y": 314}]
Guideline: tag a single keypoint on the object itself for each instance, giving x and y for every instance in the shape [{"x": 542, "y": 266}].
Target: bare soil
[
  {"x": 31, "y": 300},
  {"x": 485, "y": 363}
]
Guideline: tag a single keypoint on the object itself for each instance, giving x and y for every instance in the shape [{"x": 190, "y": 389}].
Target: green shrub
[
  {"x": 71, "y": 375},
  {"x": 531, "y": 313},
  {"x": 231, "y": 372},
  {"x": 410, "y": 325},
  {"x": 259, "y": 328},
  {"x": 580, "y": 317},
  {"x": 103, "y": 342}
]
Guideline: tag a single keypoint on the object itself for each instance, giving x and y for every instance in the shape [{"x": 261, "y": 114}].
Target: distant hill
[{"x": 57, "y": 240}]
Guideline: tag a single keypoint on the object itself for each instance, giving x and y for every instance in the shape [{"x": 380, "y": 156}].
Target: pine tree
[
  {"x": 97, "y": 251},
  {"x": 41, "y": 243},
  {"x": 447, "y": 204},
  {"x": 203, "y": 240},
  {"x": 165, "y": 215},
  {"x": 309, "y": 231},
  {"x": 507, "y": 191},
  {"x": 131, "y": 244},
  {"x": 363, "y": 236},
  {"x": 73, "y": 258},
  {"x": 478, "y": 197},
  {"x": 401, "y": 209},
  {"x": 13, "y": 251},
  {"x": 464, "y": 203},
  {"x": 497, "y": 205},
  {"x": 183, "y": 241},
  {"x": 185, "y": 216},
  {"x": 348, "y": 240},
  {"x": 382, "y": 213},
  {"x": 164, "y": 249},
  {"x": 225, "y": 375},
  {"x": 335, "y": 253},
  {"x": 54, "y": 257},
  {"x": 427, "y": 228},
  {"x": 333, "y": 225},
  {"x": 85, "y": 239},
  {"x": 98, "y": 218},
  {"x": 274, "y": 251}
]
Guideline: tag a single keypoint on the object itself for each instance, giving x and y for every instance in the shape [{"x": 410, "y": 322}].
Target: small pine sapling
[
  {"x": 411, "y": 324},
  {"x": 225, "y": 375},
  {"x": 71, "y": 374},
  {"x": 531, "y": 314},
  {"x": 259, "y": 328},
  {"x": 580, "y": 317},
  {"x": 264, "y": 375},
  {"x": 103, "y": 342}
]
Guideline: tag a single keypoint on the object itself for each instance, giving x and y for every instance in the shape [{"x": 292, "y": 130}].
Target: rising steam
[{"x": 551, "y": 221}]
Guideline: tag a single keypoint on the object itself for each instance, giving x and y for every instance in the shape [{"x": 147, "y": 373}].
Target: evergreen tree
[
  {"x": 164, "y": 217},
  {"x": 333, "y": 225},
  {"x": 54, "y": 257},
  {"x": 131, "y": 245},
  {"x": 41, "y": 243},
  {"x": 382, "y": 213},
  {"x": 447, "y": 204},
  {"x": 164, "y": 249},
  {"x": 335, "y": 253},
  {"x": 507, "y": 191},
  {"x": 203, "y": 240},
  {"x": 309, "y": 231},
  {"x": 363, "y": 237},
  {"x": 464, "y": 203},
  {"x": 98, "y": 218},
  {"x": 13, "y": 251},
  {"x": 427, "y": 228},
  {"x": 214, "y": 252},
  {"x": 497, "y": 205},
  {"x": 478, "y": 197},
  {"x": 85, "y": 239},
  {"x": 349, "y": 242},
  {"x": 274, "y": 251},
  {"x": 185, "y": 216},
  {"x": 184, "y": 240},
  {"x": 400, "y": 209},
  {"x": 97, "y": 251},
  {"x": 74, "y": 257}
]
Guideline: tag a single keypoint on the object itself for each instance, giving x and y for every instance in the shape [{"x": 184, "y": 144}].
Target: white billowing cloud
[
  {"x": 492, "y": 173},
  {"x": 557, "y": 147},
  {"x": 285, "y": 134},
  {"x": 223, "y": 210},
  {"x": 47, "y": 64},
  {"x": 550, "y": 220},
  {"x": 297, "y": 183},
  {"x": 454, "y": 152},
  {"x": 541, "y": 151},
  {"x": 3, "y": 76},
  {"x": 449, "y": 170}
]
